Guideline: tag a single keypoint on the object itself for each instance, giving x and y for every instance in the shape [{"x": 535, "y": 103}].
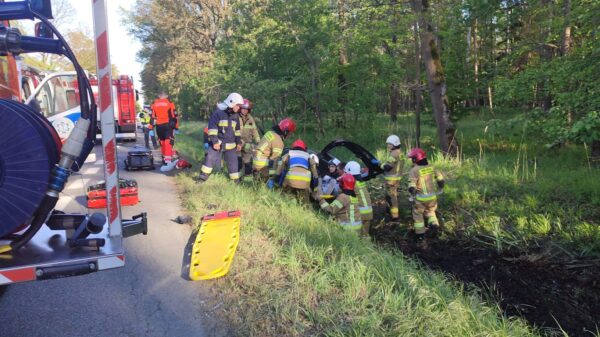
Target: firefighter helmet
[
  {"x": 287, "y": 126},
  {"x": 417, "y": 154},
  {"x": 352, "y": 168},
  {"x": 347, "y": 182},
  {"x": 298, "y": 143},
  {"x": 247, "y": 104},
  {"x": 393, "y": 139},
  {"x": 234, "y": 99}
]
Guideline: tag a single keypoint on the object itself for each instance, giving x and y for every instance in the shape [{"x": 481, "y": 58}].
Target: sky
[{"x": 123, "y": 47}]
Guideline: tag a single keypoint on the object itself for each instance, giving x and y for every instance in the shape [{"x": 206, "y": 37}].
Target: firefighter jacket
[
  {"x": 249, "y": 130},
  {"x": 396, "y": 161},
  {"x": 224, "y": 128},
  {"x": 268, "y": 151},
  {"x": 424, "y": 179},
  {"x": 345, "y": 210},
  {"x": 298, "y": 169},
  {"x": 163, "y": 111},
  {"x": 364, "y": 200},
  {"x": 144, "y": 118}
]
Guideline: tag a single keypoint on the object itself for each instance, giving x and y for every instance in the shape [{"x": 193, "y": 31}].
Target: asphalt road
[{"x": 148, "y": 297}]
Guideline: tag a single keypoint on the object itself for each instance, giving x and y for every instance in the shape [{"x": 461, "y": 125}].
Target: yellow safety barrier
[{"x": 215, "y": 245}]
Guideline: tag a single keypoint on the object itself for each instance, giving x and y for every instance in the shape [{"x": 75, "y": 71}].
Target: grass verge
[{"x": 297, "y": 274}]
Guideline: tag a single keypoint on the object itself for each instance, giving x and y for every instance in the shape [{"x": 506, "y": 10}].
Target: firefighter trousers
[
  {"x": 303, "y": 196},
  {"x": 427, "y": 209},
  {"x": 213, "y": 157},
  {"x": 391, "y": 188},
  {"x": 165, "y": 136}
]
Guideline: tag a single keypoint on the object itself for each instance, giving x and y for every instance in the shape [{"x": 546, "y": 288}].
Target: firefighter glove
[
  {"x": 314, "y": 182},
  {"x": 270, "y": 184},
  {"x": 375, "y": 162},
  {"x": 441, "y": 183},
  {"x": 387, "y": 167},
  {"x": 412, "y": 190}
]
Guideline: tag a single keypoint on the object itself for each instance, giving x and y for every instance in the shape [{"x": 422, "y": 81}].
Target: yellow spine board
[{"x": 215, "y": 246}]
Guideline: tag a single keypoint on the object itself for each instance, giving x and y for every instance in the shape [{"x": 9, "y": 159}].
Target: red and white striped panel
[
  {"x": 107, "y": 121},
  {"x": 111, "y": 262},
  {"x": 17, "y": 275}
]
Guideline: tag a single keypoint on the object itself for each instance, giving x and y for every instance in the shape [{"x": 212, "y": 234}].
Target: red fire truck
[{"x": 125, "y": 97}]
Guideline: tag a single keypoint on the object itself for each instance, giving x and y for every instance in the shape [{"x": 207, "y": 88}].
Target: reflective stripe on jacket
[
  {"x": 269, "y": 148},
  {"x": 224, "y": 126},
  {"x": 396, "y": 161},
  {"x": 424, "y": 180},
  {"x": 364, "y": 200},
  {"x": 345, "y": 210}
]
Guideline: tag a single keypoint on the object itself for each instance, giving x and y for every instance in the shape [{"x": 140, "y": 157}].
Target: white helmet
[
  {"x": 393, "y": 139},
  {"x": 352, "y": 168},
  {"x": 335, "y": 162},
  {"x": 234, "y": 99}
]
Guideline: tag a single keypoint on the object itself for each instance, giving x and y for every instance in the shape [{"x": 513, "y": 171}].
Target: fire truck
[
  {"x": 37, "y": 240},
  {"x": 125, "y": 97}
]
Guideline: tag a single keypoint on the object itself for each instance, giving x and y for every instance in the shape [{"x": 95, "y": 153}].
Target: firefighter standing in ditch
[
  {"x": 224, "y": 137},
  {"x": 393, "y": 165},
  {"x": 298, "y": 171},
  {"x": 423, "y": 184},
  {"x": 345, "y": 207},
  {"x": 250, "y": 138},
  {"x": 363, "y": 196},
  {"x": 269, "y": 150},
  {"x": 163, "y": 119}
]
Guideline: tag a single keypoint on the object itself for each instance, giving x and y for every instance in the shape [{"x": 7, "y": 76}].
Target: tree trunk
[
  {"x": 342, "y": 61},
  {"x": 417, "y": 89},
  {"x": 567, "y": 39},
  {"x": 436, "y": 81},
  {"x": 476, "y": 64},
  {"x": 394, "y": 102}
]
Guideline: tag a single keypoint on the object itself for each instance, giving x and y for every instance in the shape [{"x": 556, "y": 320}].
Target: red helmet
[
  {"x": 299, "y": 143},
  {"x": 347, "y": 182},
  {"x": 182, "y": 164},
  {"x": 206, "y": 130},
  {"x": 247, "y": 104},
  {"x": 417, "y": 154},
  {"x": 287, "y": 126}
]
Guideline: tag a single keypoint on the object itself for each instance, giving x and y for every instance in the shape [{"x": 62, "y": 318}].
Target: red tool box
[{"x": 96, "y": 194}]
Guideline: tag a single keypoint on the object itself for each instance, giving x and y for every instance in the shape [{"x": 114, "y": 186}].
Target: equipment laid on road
[
  {"x": 37, "y": 158},
  {"x": 128, "y": 188},
  {"x": 140, "y": 158},
  {"x": 215, "y": 245}
]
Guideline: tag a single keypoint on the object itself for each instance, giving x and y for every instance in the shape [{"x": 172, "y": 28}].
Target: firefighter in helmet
[
  {"x": 250, "y": 138},
  {"x": 298, "y": 171},
  {"x": 345, "y": 207},
  {"x": 163, "y": 119},
  {"x": 423, "y": 184},
  {"x": 362, "y": 194},
  {"x": 224, "y": 137},
  {"x": 392, "y": 166},
  {"x": 269, "y": 150}
]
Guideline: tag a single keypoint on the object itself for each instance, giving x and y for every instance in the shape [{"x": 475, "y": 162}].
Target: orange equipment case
[{"x": 96, "y": 194}]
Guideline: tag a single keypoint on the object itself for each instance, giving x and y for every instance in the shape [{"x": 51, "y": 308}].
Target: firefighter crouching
[
  {"x": 362, "y": 194},
  {"x": 424, "y": 181},
  {"x": 269, "y": 150},
  {"x": 392, "y": 166},
  {"x": 250, "y": 138},
  {"x": 345, "y": 207},
  {"x": 298, "y": 171},
  {"x": 224, "y": 137},
  {"x": 163, "y": 119}
]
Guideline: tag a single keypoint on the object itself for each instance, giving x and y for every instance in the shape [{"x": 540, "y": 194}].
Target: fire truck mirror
[
  {"x": 42, "y": 30},
  {"x": 137, "y": 95},
  {"x": 44, "y": 7}
]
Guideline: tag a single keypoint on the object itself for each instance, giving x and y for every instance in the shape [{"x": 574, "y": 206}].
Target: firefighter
[
  {"x": 423, "y": 184},
  {"x": 250, "y": 138},
  {"x": 363, "y": 196},
  {"x": 269, "y": 150},
  {"x": 392, "y": 166},
  {"x": 216, "y": 165},
  {"x": 345, "y": 208},
  {"x": 163, "y": 120},
  {"x": 298, "y": 171},
  {"x": 147, "y": 127},
  {"x": 224, "y": 137}
]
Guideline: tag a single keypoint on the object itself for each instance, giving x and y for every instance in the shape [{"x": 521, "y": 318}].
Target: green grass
[{"x": 297, "y": 274}]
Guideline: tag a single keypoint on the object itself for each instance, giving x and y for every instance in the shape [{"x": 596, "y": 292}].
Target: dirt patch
[{"x": 549, "y": 292}]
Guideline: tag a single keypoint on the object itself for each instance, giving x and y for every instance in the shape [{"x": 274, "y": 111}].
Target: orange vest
[{"x": 162, "y": 110}]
